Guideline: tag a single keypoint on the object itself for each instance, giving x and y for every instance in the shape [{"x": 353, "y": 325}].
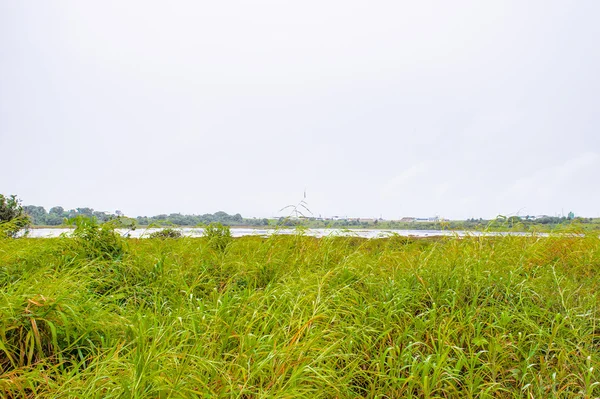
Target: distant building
[{"x": 429, "y": 219}]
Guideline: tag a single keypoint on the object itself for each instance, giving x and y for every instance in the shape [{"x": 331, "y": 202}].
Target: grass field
[{"x": 99, "y": 316}]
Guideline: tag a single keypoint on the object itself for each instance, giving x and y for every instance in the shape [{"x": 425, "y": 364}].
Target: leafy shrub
[
  {"x": 166, "y": 233},
  {"x": 12, "y": 217},
  {"x": 219, "y": 236}
]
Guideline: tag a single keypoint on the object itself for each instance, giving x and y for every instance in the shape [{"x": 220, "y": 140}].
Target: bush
[
  {"x": 12, "y": 216},
  {"x": 166, "y": 233}
]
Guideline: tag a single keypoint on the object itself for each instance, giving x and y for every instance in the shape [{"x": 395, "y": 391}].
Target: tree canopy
[{"x": 12, "y": 216}]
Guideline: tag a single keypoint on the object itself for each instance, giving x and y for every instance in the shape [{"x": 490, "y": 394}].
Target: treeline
[
  {"x": 500, "y": 223},
  {"x": 559, "y": 219},
  {"x": 57, "y": 215},
  {"x": 193, "y": 220}
]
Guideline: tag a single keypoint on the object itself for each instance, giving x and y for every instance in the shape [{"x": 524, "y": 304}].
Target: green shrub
[
  {"x": 12, "y": 216},
  {"x": 166, "y": 233}
]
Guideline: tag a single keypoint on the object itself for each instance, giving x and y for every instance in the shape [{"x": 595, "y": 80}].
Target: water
[{"x": 241, "y": 232}]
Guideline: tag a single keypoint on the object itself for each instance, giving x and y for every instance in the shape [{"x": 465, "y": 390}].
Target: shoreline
[
  {"x": 348, "y": 228},
  {"x": 193, "y": 232}
]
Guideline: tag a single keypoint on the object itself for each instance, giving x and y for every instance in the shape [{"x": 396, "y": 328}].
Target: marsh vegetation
[{"x": 99, "y": 315}]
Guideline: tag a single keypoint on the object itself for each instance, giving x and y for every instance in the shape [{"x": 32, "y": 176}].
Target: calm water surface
[{"x": 240, "y": 232}]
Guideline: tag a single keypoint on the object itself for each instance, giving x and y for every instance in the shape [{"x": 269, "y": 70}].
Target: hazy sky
[{"x": 392, "y": 108}]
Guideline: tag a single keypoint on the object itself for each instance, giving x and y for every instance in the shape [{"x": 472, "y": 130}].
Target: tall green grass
[{"x": 98, "y": 316}]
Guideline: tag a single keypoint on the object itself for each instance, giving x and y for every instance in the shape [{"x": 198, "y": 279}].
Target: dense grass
[{"x": 294, "y": 316}]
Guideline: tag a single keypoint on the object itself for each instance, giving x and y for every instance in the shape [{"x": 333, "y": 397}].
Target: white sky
[{"x": 393, "y": 108}]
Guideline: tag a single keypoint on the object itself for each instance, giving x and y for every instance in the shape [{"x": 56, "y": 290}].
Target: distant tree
[
  {"x": 221, "y": 215},
  {"x": 143, "y": 220},
  {"x": 54, "y": 219},
  {"x": 37, "y": 213},
  {"x": 89, "y": 212},
  {"x": 57, "y": 210},
  {"x": 102, "y": 216},
  {"x": 72, "y": 213}
]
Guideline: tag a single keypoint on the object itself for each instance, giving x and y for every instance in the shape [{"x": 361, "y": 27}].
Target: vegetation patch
[
  {"x": 166, "y": 233},
  {"x": 98, "y": 315}
]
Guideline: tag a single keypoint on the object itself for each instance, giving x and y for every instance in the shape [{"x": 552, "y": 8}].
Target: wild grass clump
[
  {"x": 296, "y": 316},
  {"x": 219, "y": 236},
  {"x": 14, "y": 228},
  {"x": 96, "y": 240}
]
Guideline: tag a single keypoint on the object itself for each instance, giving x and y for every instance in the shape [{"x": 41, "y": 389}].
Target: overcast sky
[{"x": 377, "y": 108}]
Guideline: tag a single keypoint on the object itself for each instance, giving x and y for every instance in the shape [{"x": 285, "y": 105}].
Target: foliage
[
  {"x": 195, "y": 220},
  {"x": 296, "y": 316},
  {"x": 97, "y": 240},
  {"x": 219, "y": 236},
  {"x": 300, "y": 215},
  {"x": 166, "y": 233},
  {"x": 56, "y": 216},
  {"x": 12, "y": 217}
]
